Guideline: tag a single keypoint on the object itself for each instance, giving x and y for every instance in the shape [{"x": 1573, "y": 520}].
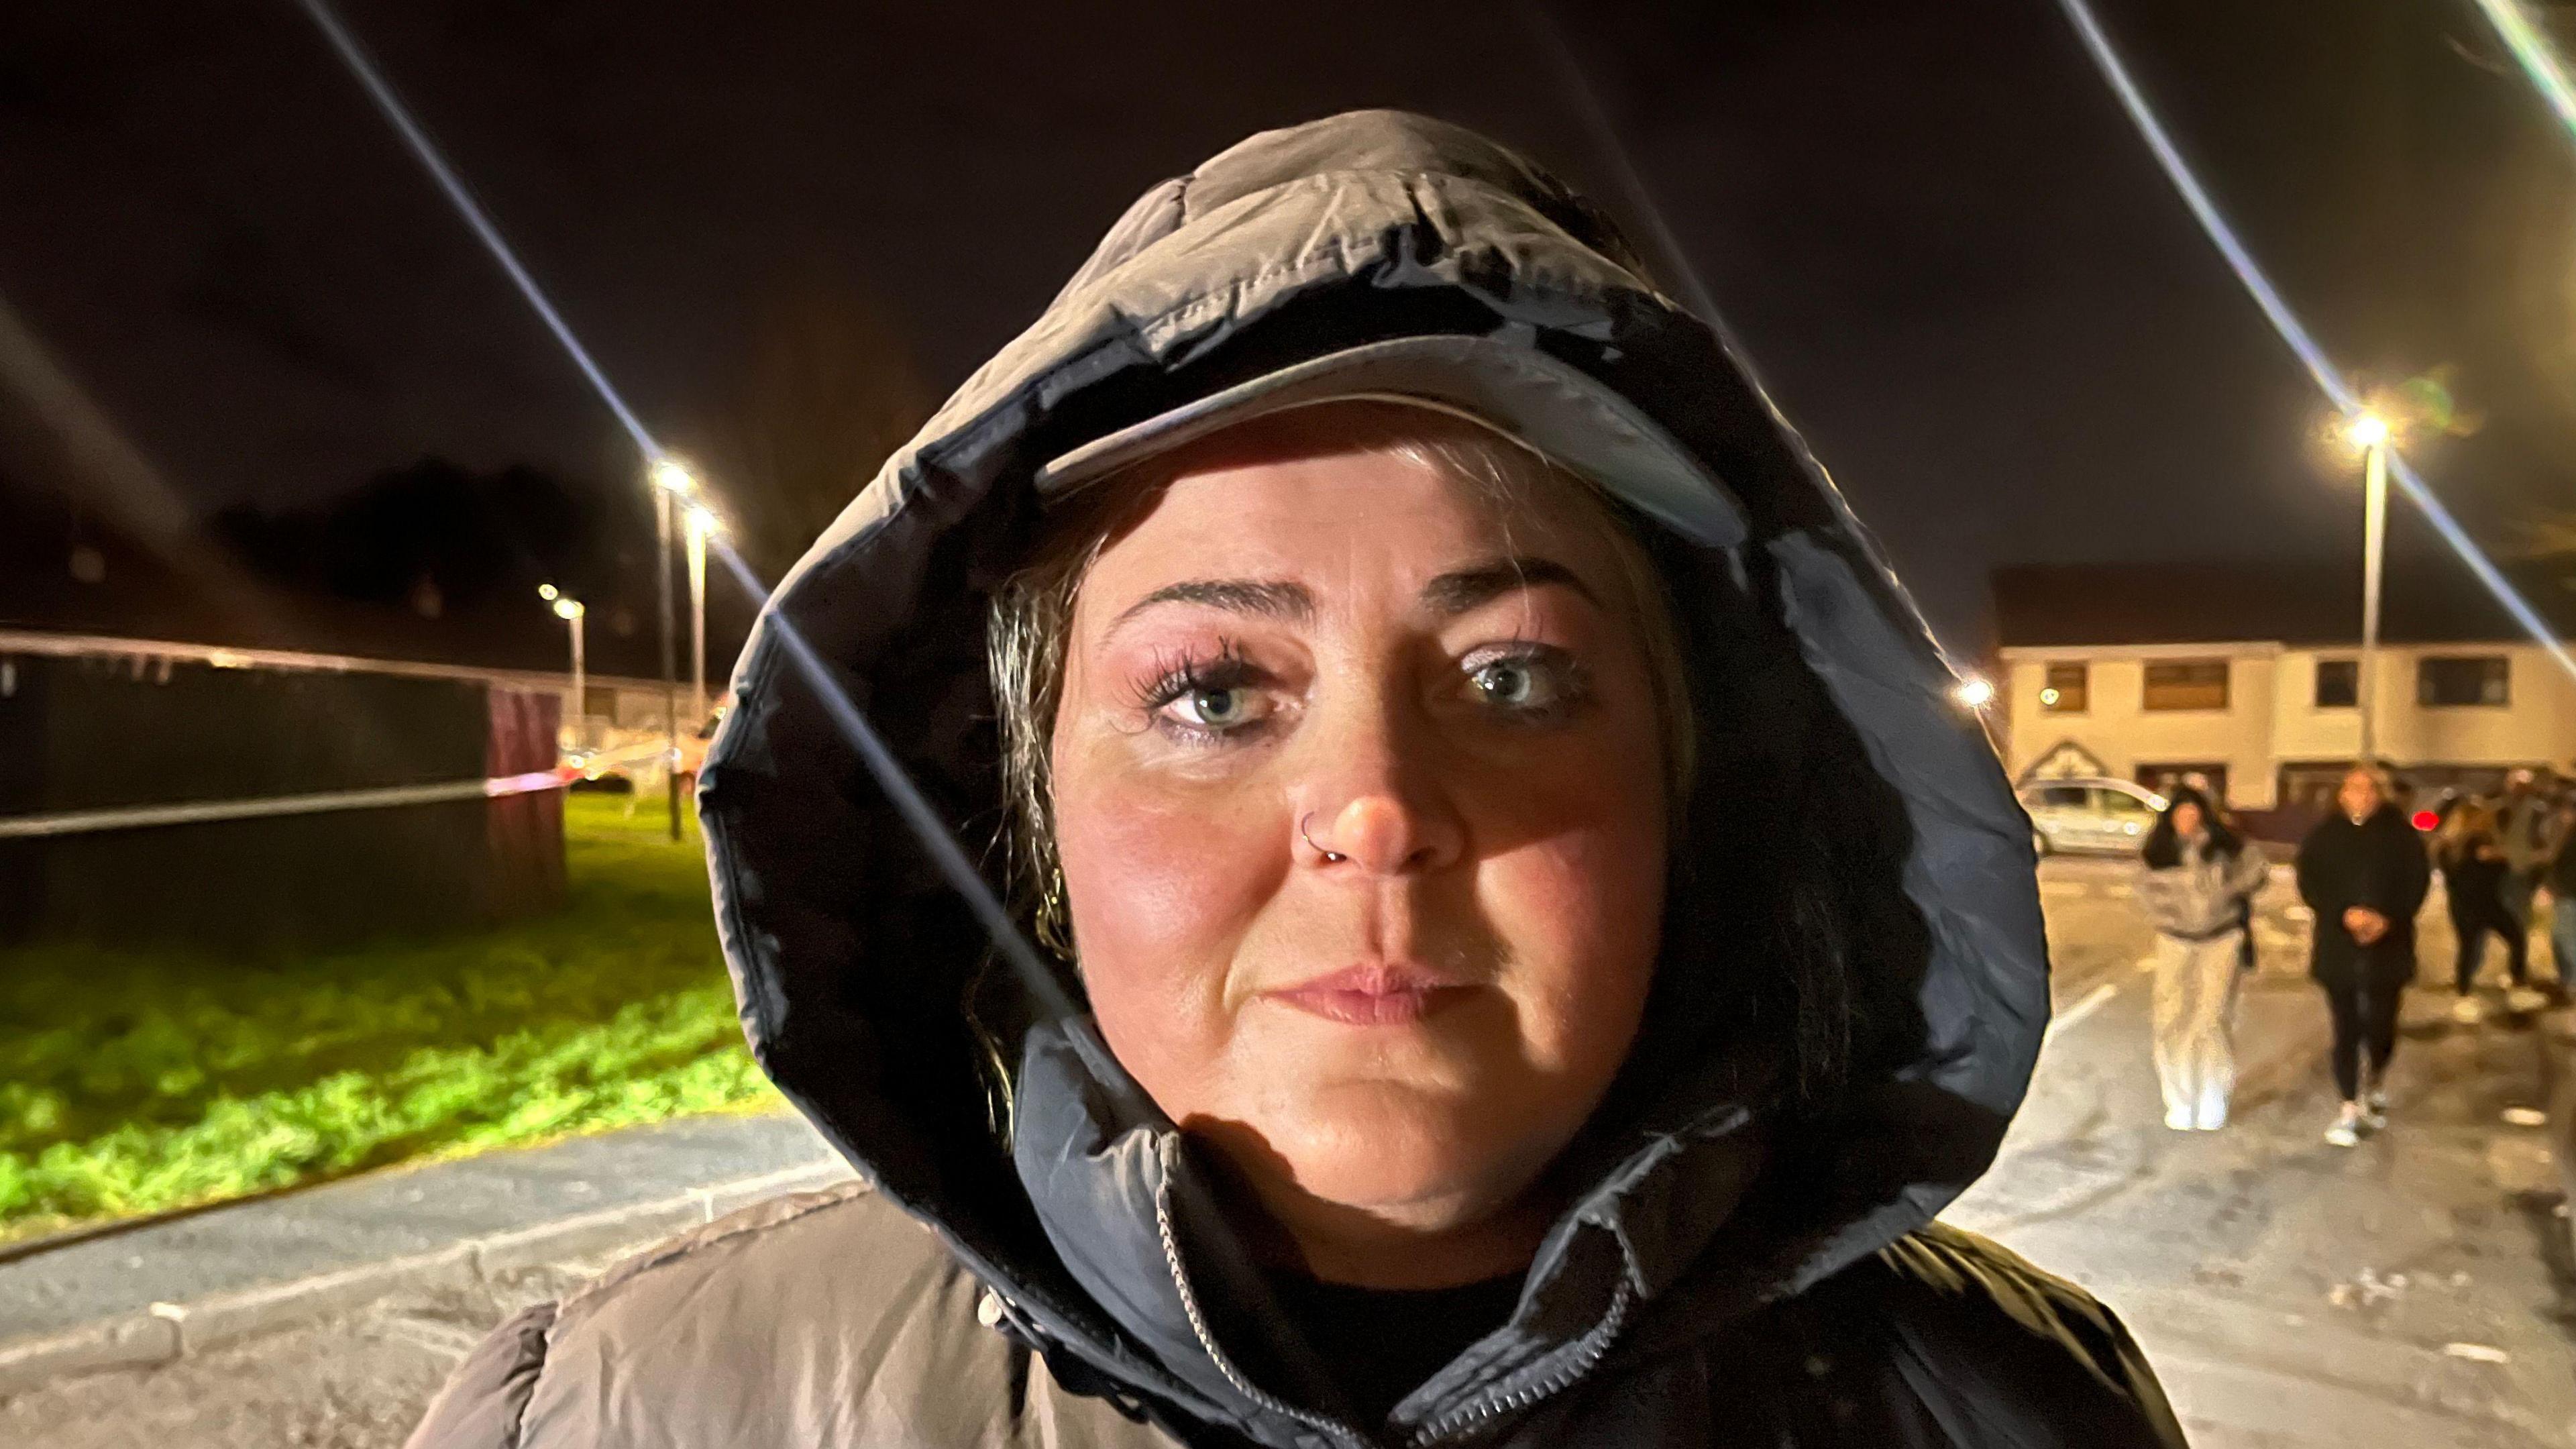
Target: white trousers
[{"x": 2195, "y": 1018}]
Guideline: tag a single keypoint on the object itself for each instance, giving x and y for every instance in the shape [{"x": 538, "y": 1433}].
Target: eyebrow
[
  {"x": 1457, "y": 592},
  {"x": 1461, "y": 590},
  {"x": 1270, "y": 599}
]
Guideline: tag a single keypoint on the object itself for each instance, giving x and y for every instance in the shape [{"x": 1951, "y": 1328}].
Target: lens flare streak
[
  {"x": 2531, "y": 49},
  {"x": 933, "y": 832},
  {"x": 2329, "y": 379},
  {"x": 382, "y": 93},
  {"x": 909, "y": 801}
]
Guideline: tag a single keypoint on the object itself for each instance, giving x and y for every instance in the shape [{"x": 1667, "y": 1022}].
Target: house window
[
  {"x": 2186, "y": 684},
  {"x": 2338, "y": 683},
  {"x": 2476, "y": 679},
  {"x": 2064, "y": 691}
]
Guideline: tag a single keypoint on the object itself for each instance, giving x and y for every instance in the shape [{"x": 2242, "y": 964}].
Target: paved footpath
[
  {"x": 143, "y": 1311},
  {"x": 2416, "y": 1291}
]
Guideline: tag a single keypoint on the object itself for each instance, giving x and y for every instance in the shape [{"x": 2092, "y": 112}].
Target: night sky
[{"x": 1949, "y": 255}]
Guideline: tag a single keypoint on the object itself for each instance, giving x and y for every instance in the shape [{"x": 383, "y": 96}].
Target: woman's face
[
  {"x": 1359, "y": 797},
  {"x": 2186, "y": 817}
]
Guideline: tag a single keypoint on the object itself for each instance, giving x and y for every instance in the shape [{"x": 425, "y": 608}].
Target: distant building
[{"x": 2250, "y": 678}]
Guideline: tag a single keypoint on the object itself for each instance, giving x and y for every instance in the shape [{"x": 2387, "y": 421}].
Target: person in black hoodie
[
  {"x": 1368, "y": 611},
  {"x": 2479, "y": 883},
  {"x": 2364, "y": 872}
]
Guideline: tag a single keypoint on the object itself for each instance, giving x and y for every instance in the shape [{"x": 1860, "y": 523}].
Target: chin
[{"x": 1420, "y": 1158}]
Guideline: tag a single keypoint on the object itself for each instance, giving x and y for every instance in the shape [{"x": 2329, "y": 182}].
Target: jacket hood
[{"x": 1729, "y": 1168}]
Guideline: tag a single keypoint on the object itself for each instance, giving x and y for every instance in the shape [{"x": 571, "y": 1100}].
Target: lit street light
[
  {"x": 1974, "y": 692},
  {"x": 671, "y": 484},
  {"x": 2369, "y": 432},
  {"x": 570, "y": 610},
  {"x": 703, "y": 525}
]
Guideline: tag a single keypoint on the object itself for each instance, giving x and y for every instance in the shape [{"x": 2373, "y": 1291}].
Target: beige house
[{"x": 2272, "y": 724}]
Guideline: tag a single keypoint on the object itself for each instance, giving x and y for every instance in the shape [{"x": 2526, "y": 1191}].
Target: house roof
[{"x": 2072, "y": 606}]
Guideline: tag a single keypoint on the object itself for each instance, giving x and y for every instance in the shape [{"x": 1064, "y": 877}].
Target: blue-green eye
[
  {"x": 1219, "y": 708},
  {"x": 1203, "y": 700},
  {"x": 1528, "y": 682},
  {"x": 1511, "y": 683}
]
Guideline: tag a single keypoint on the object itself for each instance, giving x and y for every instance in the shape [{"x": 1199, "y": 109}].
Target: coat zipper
[
  {"x": 1332, "y": 1428},
  {"x": 1598, "y": 1344},
  {"x": 1466, "y": 1420}
]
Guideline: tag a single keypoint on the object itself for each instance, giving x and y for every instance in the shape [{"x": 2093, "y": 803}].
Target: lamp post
[
  {"x": 570, "y": 610},
  {"x": 702, "y": 526},
  {"x": 2369, "y": 432},
  {"x": 671, "y": 483}
]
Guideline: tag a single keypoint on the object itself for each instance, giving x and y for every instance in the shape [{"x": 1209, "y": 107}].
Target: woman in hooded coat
[
  {"x": 1367, "y": 612},
  {"x": 2196, "y": 883}
]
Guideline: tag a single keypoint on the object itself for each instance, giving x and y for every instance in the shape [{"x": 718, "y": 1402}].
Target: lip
[{"x": 1374, "y": 994}]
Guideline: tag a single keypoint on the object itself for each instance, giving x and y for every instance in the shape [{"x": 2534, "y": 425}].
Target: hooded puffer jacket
[{"x": 1753, "y": 1261}]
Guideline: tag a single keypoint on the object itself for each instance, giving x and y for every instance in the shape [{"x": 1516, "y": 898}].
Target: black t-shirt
[{"x": 1381, "y": 1344}]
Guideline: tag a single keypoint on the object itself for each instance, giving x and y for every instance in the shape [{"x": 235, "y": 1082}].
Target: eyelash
[
  {"x": 1174, "y": 678},
  {"x": 1229, "y": 668},
  {"x": 1572, "y": 679}
]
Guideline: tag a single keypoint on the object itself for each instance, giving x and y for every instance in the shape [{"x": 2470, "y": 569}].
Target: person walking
[
  {"x": 2558, "y": 877},
  {"x": 2476, "y": 877},
  {"x": 2196, "y": 883},
  {"x": 2522, "y": 831},
  {"x": 2364, "y": 872}
]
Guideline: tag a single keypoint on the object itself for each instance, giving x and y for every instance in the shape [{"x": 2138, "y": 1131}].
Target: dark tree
[{"x": 430, "y": 536}]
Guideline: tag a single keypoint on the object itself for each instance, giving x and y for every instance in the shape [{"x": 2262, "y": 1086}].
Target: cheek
[
  {"x": 1162, "y": 889},
  {"x": 1578, "y": 905}
]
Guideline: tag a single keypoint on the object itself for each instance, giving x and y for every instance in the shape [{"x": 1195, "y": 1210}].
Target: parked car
[
  {"x": 635, "y": 758},
  {"x": 2090, "y": 815}
]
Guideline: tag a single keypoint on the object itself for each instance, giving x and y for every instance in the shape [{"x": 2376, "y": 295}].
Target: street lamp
[
  {"x": 703, "y": 525},
  {"x": 570, "y": 610},
  {"x": 2369, "y": 432},
  {"x": 671, "y": 484},
  {"x": 1974, "y": 691}
]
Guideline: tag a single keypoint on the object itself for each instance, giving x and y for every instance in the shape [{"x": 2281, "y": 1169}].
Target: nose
[{"x": 1379, "y": 809}]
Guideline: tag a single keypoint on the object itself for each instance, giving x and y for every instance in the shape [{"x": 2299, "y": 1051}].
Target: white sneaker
[
  {"x": 2177, "y": 1119},
  {"x": 2468, "y": 1011},
  {"x": 2374, "y": 1112},
  {"x": 2522, "y": 1000},
  {"x": 2213, "y": 1111},
  {"x": 2346, "y": 1131}
]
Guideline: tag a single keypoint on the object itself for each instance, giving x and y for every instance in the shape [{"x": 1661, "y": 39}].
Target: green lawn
[{"x": 134, "y": 1082}]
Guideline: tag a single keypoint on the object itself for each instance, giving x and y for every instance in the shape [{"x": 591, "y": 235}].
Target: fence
[{"x": 249, "y": 799}]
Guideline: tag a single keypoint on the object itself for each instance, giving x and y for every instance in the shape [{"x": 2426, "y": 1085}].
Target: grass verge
[{"x": 135, "y": 1082}]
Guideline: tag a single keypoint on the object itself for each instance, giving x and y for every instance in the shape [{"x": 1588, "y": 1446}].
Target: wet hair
[{"x": 2163, "y": 848}]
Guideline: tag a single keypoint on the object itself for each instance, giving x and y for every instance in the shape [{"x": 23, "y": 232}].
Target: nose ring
[{"x": 1331, "y": 857}]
